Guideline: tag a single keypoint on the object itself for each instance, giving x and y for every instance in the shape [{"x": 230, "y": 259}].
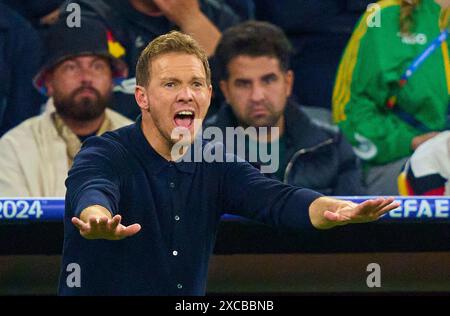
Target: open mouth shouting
[{"x": 184, "y": 118}]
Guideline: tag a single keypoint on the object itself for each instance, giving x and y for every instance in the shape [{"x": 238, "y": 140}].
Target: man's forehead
[
  {"x": 88, "y": 58},
  {"x": 250, "y": 59},
  {"x": 261, "y": 65},
  {"x": 177, "y": 63}
]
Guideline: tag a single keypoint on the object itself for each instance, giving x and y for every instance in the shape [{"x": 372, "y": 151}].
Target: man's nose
[
  {"x": 185, "y": 95},
  {"x": 86, "y": 75},
  {"x": 257, "y": 93}
]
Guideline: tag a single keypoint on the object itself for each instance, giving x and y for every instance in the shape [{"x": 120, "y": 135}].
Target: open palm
[
  {"x": 105, "y": 228},
  {"x": 364, "y": 212}
]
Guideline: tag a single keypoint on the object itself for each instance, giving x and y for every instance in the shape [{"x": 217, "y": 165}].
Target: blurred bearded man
[{"x": 77, "y": 75}]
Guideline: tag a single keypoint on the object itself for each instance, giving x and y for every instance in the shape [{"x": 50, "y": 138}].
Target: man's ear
[
  {"x": 48, "y": 83},
  {"x": 141, "y": 98},
  {"x": 289, "y": 77},
  {"x": 210, "y": 90}
]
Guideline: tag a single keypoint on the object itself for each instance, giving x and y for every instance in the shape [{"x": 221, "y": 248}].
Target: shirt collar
[{"x": 152, "y": 158}]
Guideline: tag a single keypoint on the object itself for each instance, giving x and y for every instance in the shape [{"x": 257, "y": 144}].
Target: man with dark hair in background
[{"x": 256, "y": 80}]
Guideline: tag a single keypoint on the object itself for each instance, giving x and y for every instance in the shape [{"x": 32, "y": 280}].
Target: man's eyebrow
[
  {"x": 170, "y": 79},
  {"x": 99, "y": 58},
  {"x": 198, "y": 78},
  {"x": 242, "y": 80},
  {"x": 70, "y": 60},
  {"x": 272, "y": 75}
]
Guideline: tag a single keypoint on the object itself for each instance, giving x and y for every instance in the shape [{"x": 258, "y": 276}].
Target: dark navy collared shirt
[{"x": 178, "y": 205}]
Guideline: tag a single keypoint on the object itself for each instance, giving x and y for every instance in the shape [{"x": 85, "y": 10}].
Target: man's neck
[
  {"x": 159, "y": 144},
  {"x": 271, "y": 137},
  {"x": 86, "y": 127},
  {"x": 146, "y": 7},
  {"x": 280, "y": 125}
]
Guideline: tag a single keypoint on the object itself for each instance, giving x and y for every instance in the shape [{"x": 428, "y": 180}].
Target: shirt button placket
[{"x": 177, "y": 219}]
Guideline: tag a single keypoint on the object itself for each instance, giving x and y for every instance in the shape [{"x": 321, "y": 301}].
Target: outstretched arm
[
  {"x": 93, "y": 191},
  {"x": 326, "y": 212},
  {"x": 96, "y": 222},
  {"x": 248, "y": 193}
]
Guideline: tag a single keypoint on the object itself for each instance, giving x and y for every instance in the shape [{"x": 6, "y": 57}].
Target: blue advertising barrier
[{"x": 412, "y": 209}]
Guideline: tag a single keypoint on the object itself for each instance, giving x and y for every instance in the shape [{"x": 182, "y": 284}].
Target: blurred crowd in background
[{"x": 360, "y": 93}]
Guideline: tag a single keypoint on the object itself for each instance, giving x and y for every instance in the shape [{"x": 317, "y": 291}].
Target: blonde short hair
[{"x": 173, "y": 42}]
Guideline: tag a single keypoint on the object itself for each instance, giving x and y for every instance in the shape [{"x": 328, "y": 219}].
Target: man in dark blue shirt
[{"x": 170, "y": 207}]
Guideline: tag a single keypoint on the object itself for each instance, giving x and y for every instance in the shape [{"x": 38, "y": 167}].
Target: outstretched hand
[
  {"x": 326, "y": 212},
  {"x": 367, "y": 211},
  {"x": 105, "y": 228}
]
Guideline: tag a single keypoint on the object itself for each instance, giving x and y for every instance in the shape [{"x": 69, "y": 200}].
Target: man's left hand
[
  {"x": 326, "y": 212},
  {"x": 367, "y": 211}
]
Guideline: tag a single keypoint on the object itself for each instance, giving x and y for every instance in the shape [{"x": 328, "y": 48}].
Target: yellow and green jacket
[{"x": 375, "y": 58}]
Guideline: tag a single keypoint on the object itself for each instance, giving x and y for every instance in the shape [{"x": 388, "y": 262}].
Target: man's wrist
[{"x": 317, "y": 209}]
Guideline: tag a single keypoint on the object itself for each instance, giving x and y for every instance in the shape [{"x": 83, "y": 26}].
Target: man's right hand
[
  {"x": 179, "y": 12},
  {"x": 95, "y": 222},
  {"x": 187, "y": 14}
]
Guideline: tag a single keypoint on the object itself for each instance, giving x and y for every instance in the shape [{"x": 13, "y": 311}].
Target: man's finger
[
  {"x": 93, "y": 222},
  {"x": 102, "y": 223},
  {"x": 385, "y": 201},
  {"x": 98, "y": 223},
  {"x": 365, "y": 207},
  {"x": 130, "y": 230},
  {"x": 383, "y": 205},
  {"x": 368, "y": 204},
  {"x": 82, "y": 226},
  {"x": 114, "y": 222},
  {"x": 388, "y": 208},
  {"x": 375, "y": 205}
]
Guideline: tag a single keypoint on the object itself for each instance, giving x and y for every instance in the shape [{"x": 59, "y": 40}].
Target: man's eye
[
  {"x": 70, "y": 67},
  {"x": 99, "y": 66},
  {"x": 169, "y": 84},
  {"x": 198, "y": 84},
  {"x": 270, "y": 79},
  {"x": 242, "y": 84}
]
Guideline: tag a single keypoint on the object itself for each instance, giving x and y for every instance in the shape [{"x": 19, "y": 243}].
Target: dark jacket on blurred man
[{"x": 315, "y": 156}]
